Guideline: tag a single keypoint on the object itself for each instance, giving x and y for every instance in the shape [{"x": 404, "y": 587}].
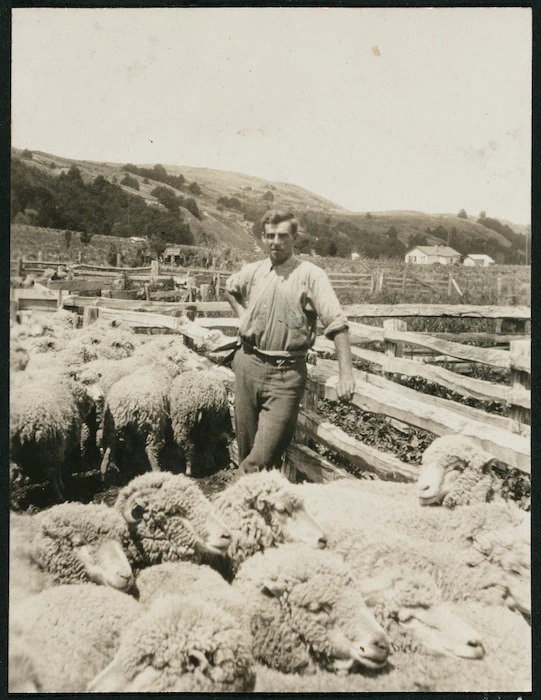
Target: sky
[{"x": 376, "y": 109}]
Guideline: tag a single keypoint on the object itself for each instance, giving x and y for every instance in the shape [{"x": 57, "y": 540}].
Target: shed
[
  {"x": 478, "y": 260},
  {"x": 428, "y": 254}
]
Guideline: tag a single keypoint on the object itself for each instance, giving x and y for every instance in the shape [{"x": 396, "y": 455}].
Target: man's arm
[
  {"x": 346, "y": 382},
  {"x": 237, "y": 306}
]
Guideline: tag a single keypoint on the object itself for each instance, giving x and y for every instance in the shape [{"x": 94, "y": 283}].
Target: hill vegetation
[{"x": 199, "y": 206}]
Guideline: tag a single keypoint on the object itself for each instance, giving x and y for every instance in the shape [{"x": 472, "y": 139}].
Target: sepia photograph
[{"x": 269, "y": 350}]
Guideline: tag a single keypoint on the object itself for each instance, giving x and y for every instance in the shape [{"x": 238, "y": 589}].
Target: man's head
[{"x": 279, "y": 234}]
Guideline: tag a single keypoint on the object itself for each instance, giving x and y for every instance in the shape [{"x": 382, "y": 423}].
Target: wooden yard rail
[{"x": 507, "y": 438}]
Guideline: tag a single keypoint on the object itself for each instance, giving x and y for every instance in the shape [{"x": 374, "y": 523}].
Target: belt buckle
[{"x": 281, "y": 363}]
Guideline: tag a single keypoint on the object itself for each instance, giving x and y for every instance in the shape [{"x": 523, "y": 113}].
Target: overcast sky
[{"x": 376, "y": 109}]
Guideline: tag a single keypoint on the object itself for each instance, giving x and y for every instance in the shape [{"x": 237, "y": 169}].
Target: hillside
[{"x": 226, "y": 207}]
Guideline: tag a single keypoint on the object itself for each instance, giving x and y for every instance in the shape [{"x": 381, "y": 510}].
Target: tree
[
  {"x": 130, "y": 181},
  {"x": 268, "y": 196},
  {"x": 195, "y": 189},
  {"x": 157, "y": 243},
  {"x": 191, "y": 205},
  {"x": 86, "y": 237},
  {"x": 482, "y": 215},
  {"x": 392, "y": 232},
  {"x": 27, "y": 155},
  {"x": 368, "y": 215},
  {"x": 462, "y": 214},
  {"x": 166, "y": 197},
  {"x": 67, "y": 239}
]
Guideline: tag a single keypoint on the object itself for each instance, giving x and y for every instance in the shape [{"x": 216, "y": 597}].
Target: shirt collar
[{"x": 289, "y": 264}]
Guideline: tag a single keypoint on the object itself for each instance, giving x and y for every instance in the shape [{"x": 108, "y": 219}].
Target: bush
[
  {"x": 462, "y": 214},
  {"x": 130, "y": 181},
  {"x": 195, "y": 189}
]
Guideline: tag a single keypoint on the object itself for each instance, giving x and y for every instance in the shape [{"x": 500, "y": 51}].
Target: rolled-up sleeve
[
  {"x": 235, "y": 285},
  {"x": 326, "y": 304}
]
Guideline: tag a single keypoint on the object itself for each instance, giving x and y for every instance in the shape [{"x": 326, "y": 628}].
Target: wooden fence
[
  {"x": 501, "y": 285},
  {"x": 392, "y": 353}
]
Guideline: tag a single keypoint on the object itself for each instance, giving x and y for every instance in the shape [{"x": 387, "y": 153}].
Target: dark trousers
[{"x": 267, "y": 399}]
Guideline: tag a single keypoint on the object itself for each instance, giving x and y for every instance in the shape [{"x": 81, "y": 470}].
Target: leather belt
[{"x": 271, "y": 359}]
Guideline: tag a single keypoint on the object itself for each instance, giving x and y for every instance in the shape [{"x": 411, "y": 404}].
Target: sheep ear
[
  {"x": 112, "y": 679},
  {"x": 199, "y": 417},
  {"x": 274, "y": 587},
  {"x": 488, "y": 466}
]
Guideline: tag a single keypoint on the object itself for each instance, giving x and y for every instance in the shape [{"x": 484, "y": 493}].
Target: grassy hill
[{"x": 244, "y": 198}]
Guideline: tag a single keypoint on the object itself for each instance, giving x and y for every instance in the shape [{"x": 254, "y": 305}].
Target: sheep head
[
  {"x": 308, "y": 612},
  {"x": 170, "y": 519},
  {"x": 413, "y": 604},
  {"x": 180, "y": 645},
  {"x": 454, "y": 471},
  {"x": 77, "y": 542},
  {"x": 266, "y": 506}
]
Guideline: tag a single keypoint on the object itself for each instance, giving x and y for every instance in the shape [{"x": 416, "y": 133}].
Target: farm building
[
  {"x": 478, "y": 260},
  {"x": 428, "y": 254},
  {"x": 172, "y": 255}
]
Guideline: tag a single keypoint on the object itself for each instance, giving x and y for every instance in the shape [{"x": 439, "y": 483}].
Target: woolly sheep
[
  {"x": 169, "y": 519},
  {"x": 102, "y": 339},
  {"x": 137, "y": 406},
  {"x": 199, "y": 408},
  {"x": 263, "y": 510},
  {"x": 47, "y": 410},
  {"x": 506, "y": 666},
  {"x": 307, "y": 611},
  {"x": 82, "y": 638},
  {"x": 455, "y": 471},
  {"x": 68, "y": 543}
]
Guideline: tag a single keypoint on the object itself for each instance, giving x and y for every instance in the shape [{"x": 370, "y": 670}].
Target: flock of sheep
[{"x": 356, "y": 585}]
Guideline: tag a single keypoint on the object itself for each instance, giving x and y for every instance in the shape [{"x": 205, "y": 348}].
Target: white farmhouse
[
  {"x": 428, "y": 254},
  {"x": 478, "y": 260}
]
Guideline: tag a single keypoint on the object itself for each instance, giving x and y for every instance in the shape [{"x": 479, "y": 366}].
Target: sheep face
[
  {"x": 283, "y": 516},
  {"x": 170, "y": 519},
  {"x": 77, "y": 543},
  {"x": 454, "y": 471},
  {"x": 180, "y": 645},
  {"x": 441, "y": 632},
  {"x": 414, "y": 604},
  {"x": 308, "y": 612}
]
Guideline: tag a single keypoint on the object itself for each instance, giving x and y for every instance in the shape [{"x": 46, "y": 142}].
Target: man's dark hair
[{"x": 275, "y": 216}]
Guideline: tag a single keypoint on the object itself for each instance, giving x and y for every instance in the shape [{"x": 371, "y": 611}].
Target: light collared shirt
[{"x": 283, "y": 303}]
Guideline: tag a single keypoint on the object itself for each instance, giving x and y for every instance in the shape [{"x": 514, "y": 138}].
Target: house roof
[
  {"x": 442, "y": 250},
  {"x": 479, "y": 256}
]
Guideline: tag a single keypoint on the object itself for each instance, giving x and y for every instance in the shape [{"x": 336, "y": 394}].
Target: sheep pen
[{"x": 441, "y": 577}]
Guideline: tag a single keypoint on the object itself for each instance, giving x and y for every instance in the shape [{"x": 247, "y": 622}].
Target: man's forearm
[
  {"x": 237, "y": 306},
  {"x": 346, "y": 384}
]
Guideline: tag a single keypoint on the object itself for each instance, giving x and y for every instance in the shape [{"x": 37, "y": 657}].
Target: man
[{"x": 278, "y": 301}]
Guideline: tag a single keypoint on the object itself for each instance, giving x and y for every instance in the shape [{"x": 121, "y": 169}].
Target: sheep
[
  {"x": 169, "y": 519},
  {"x": 102, "y": 339},
  {"x": 47, "y": 410},
  {"x": 199, "y": 408},
  {"x": 307, "y": 612},
  {"x": 68, "y": 543},
  {"x": 455, "y": 471},
  {"x": 137, "y": 406},
  {"x": 262, "y": 510},
  {"x": 505, "y": 667},
  {"x": 82, "y": 638}
]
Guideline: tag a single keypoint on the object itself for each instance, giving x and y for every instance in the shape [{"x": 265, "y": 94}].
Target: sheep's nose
[
  {"x": 322, "y": 542},
  {"x": 383, "y": 644}
]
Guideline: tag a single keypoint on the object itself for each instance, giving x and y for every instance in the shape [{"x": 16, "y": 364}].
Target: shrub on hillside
[
  {"x": 195, "y": 189},
  {"x": 130, "y": 181}
]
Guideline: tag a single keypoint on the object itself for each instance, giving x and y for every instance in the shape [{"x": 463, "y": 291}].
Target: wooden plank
[
  {"x": 494, "y": 338},
  {"x": 37, "y": 304},
  {"x": 360, "y": 332},
  {"x": 504, "y": 445},
  {"x": 443, "y": 310},
  {"x": 163, "y": 307},
  {"x": 520, "y": 380},
  {"x": 80, "y": 285},
  {"x": 467, "y": 386},
  {"x": 313, "y": 466},
  {"x": 383, "y": 464}
]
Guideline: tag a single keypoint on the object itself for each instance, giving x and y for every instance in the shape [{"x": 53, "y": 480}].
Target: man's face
[{"x": 278, "y": 241}]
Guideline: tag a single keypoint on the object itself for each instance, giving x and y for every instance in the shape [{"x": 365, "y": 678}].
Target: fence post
[
  {"x": 372, "y": 282},
  {"x": 379, "y": 283},
  {"x": 40, "y": 256},
  {"x": 519, "y": 379},
  {"x": 118, "y": 260},
  {"x": 147, "y": 291},
  {"x": 498, "y": 288},
  {"x": 154, "y": 270},
  {"x": 60, "y": 298},
  {"x": 90, "y": 315},
  {"x": 204, "y": 291},
  {"x": 13, "y": 307},
  {"x": 393, "y": 349},
  {"x": 449, "y": 284},
  {"x": 80, "y": 257},
  {"x": 20, "y": 267},
  {"x": 404, "y": 280}
]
